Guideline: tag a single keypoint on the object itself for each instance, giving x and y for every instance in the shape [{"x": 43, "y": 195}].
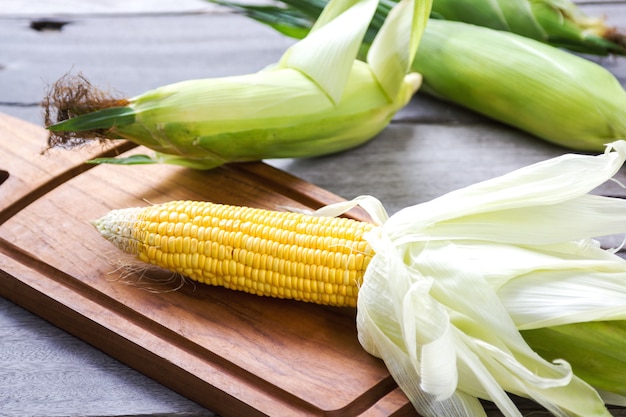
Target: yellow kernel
[
  {"x": 249, "y": 258},
  {"x": 237, "y": 239},
  {"x": 185, "y": 244},
  {"x": 175, "y": 260},
  {"x": 145, "y": 256},
  {"x": 293, "y": 252},
  {"x": 187, "y": 229},
  {"x": 317, "y": 257},
  {"x": 232, "y": 267},
  {"x": 338, "y": 261},
  {"x": 221, "y": 252},
  {"x": 151, "y": 227},
  {"x": 221, "y": 267}
]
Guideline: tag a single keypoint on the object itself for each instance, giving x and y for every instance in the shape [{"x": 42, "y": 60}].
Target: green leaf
[
  {"x": 101, "y": 119},
  {"x": 289, "y": 21},
  {"x": 130, "y": 160},
  {"x": 160, "y": 158}
]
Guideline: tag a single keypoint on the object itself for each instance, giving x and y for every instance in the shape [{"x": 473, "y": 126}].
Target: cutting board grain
[{"x": 234, "y": 353}]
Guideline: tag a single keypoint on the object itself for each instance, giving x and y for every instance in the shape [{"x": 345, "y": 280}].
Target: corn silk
[{"x": 456, "y": 279}]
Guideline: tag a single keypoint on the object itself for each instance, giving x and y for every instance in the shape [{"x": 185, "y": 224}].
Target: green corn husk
[
  {"x": 172, "y": 120},
  {"x": 594, "y": 349},
  {"x": 556, "y": 96},
  {"x": 317, "y": 99},
  {"x": 557, "y": 22}
]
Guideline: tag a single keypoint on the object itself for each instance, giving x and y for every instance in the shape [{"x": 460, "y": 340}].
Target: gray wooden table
[{"x": 430, "y": 148}]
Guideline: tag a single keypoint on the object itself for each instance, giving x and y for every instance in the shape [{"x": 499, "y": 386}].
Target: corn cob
[
  {"x": 278, "y": 254},
  {"x": 554, "y": 95}
]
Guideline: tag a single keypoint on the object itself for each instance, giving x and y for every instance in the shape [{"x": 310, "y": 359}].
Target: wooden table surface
[{"x": 430, "y": 148}]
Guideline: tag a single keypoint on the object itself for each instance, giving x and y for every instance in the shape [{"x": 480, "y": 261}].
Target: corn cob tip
[
  {"x": 69, "y": 97},
  {"x": 116, "y": 227}
]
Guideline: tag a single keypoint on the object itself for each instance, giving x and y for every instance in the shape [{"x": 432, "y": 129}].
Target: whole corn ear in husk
[
  {"x": 558, "y": 22},
  {"x": 550, "y": 93},
  {"x": 556, "y": 96},
  {"x": 316, "y": 100},
  {"x": 481, "y": 292}
]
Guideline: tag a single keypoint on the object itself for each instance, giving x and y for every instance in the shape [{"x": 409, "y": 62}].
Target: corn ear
[
  {"x": 280, "y": 113},
  {"x": 279, "y": 254},
  {"x": 560, "y": 23},
  {"x": 317, "y": 99},
  {"x": 550, "y": 93}
]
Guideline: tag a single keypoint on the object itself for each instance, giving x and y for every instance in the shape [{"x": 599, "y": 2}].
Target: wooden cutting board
[{"x": 234, "y": 353}]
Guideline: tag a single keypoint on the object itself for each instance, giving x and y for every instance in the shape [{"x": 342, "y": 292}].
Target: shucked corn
[
  {"x": 451, "y": 285},
  {"x": 279, "y": 254}
]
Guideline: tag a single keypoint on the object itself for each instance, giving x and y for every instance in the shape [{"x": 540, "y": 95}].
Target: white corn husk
[{"x": 455, "y": 279}]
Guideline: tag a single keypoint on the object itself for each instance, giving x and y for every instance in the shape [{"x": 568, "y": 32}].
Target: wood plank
[{"x": 231, "y": 352}]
